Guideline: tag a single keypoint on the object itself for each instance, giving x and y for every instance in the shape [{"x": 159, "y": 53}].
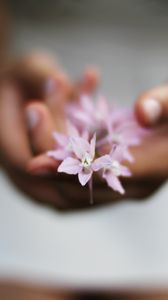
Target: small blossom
[
  {"x": 122, "y": 129},
  {"x": 89, "y": 114},
  {"x": 81, "y": 163},
  {"x": 112, "y": 168},
  {"x": 63, "y": 147}
]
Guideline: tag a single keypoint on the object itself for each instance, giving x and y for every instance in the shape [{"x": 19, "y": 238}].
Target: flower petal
[
  {"x": 125, "y": 171},
  {"x": 101, "y": 162},
  {"x": 113, "y": 182},
  {"x": 72, "y": 130},
  {"x": 131, "y": 138},
  {"x": 70, "y": 166},
  {"x": 85, "y": 135},
  {"x": 81, "y": 117},
  {"x": 79, "y": 146},
  {"x": 103, "y": 107},
  {"x": 87, "y": 104},
  {"x": 60, "y": 138},
  {"x": 58, "y": 154},
  {"x": 84, "y": 177},
  {"x": 93, "y": 146},
  {"x": 128, "y": 156},
  {"x": 117, "y": 153}
]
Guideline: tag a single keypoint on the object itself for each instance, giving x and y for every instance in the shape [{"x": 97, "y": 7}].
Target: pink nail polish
[
  {"x": 32, "y": 117},
  {"x": 50, "y": 87},
  {"x": 152, "y": 110}
]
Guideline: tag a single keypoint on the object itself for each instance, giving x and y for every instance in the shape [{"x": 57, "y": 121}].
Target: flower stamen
[{"x": 86, "y": 161}]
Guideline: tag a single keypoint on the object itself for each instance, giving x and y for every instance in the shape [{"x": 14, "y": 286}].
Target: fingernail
[
  {"x": 32, "y": 117},
  {"x": 152, "y": 110},
  {"x": 50, "y": 86}
]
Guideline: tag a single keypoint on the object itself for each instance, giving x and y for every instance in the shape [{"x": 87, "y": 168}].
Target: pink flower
[
  {"x": 63, "y": 148},
  {"x": 116, "y": 129},
  {"x": 87, "y": 113},
  {"x": 122, "y": 129},
  {"x": 112, "y": 126},
  {"x": 63, "y": 145},
  {"x": 112, "y": 168},
  {"x": 81, "y": 163}
]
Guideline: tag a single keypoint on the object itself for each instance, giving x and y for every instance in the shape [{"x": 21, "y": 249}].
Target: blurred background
[
  {"x": 119, "y": 248},
  {"x": 124, "y": 39}
]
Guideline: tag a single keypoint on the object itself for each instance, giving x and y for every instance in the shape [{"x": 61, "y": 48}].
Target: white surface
[
  {"x": 125, "y": 244},
  {"x": 121, "y": 245}
]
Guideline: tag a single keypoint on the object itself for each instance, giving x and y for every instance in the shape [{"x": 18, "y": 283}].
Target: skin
[
  {"x": 23, "y": 87},
  {"x": 23, "y": 150}
]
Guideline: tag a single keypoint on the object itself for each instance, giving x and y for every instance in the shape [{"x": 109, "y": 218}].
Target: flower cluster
[{"x": 97, "y": 140}]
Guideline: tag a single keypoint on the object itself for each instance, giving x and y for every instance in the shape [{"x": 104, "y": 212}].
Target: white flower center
[{"x": 86, "y": 161}]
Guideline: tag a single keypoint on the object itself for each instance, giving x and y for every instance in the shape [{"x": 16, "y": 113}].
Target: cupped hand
[
  {"x": 33, "y": 92},
  {"x": 149, "y": 170}
]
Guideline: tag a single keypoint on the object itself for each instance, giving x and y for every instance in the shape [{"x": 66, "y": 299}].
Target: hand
[
  {"x": 23, "y": 149},
  {"x": 151, "y": 109},
  {"x": 33, "y": 92},
  {"x": 148, "y": 171}
]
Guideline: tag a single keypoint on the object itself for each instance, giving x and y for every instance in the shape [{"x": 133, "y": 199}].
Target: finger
[
  {"x": 38, "y": 77},
  {"x": 42, "y": 165},
  {"x": 40, "y": 127},
  {"x": 56, "y": 99},
  {"x": 13, "y": 133},
  {"x": 31, "y": 73},
  {"x": 151, "y": 156},
  {"x": 89, "y": 82},
  {"x": 152, "y": 106}
]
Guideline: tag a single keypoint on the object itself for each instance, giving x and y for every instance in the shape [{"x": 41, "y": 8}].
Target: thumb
[{"x": 152, "y": 106}]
